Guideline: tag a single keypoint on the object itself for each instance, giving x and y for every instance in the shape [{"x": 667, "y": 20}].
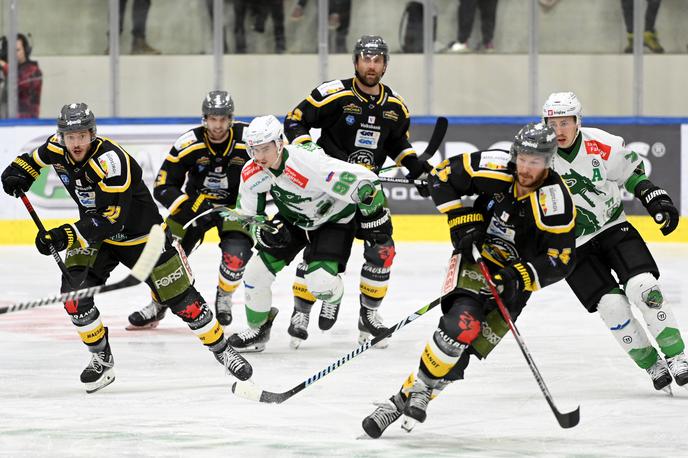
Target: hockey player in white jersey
[
  {"x": 317, "y": 197},
  {"x": 595, "y": 164}
]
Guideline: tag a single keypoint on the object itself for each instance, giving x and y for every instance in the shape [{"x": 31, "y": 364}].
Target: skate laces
[
  {"x": 149, "y": 311},
  {"x": 300, "y": 319},
  {"x": 249, "y": 333},
  {"x": 232, "y": 360},
  {"x": 658, "y": 369},
  {"x": 385, "y": 414},
  {"x": 98, "y": 362},
  {"x": 328, "y": 310},
  {"x": 678, "y": 364},
  {"x": 373, "y": 319},
  {"x": 419, "y": 395}
]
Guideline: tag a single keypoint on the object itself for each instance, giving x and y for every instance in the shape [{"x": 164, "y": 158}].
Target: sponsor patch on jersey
[
  {"x": 366, "y": 138},
  {"x": 59, "y": 168},
  {"x": 111, "y": 164},
  {"x": 185, "y": 140},
  {"x": 352, "y": 108},
  {"x": 249, "y": 170},
  {"x": 86, "y": 198},
  {"x": 296, "y": 178},
  {"x": 595, "y": 147},
  {"x": 203, "y": 161},
  {"x": 350, "y": 120},
  {"x": 65, "y": 179},
  {"x": 237, "y": 161},
  {"x": 551, "y": 200},
  {"x": 494, "y": 160},
  {"x": 371, "y": 119},
  {"x": 498, "y": 228},
  {"x": 390, "y": 114},
  {"x": 330, "y": 87}
]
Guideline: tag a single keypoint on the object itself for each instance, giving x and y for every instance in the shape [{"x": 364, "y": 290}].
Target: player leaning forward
[
  {"x": 594, "y": 164},
  {"x": 317, "y": 197},
  {"x": 116, "y": 212}
]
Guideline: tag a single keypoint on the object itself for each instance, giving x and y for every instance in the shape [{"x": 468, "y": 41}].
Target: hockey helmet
[
  {"x": 371, "y": 45},
  {"x": 562, "y": 104},
  {"x": 218, "y": 103},
  {"x": 536, "y": 139},
  {"x": 261, "y": 130},
  {"x": 75, "y": 117}
]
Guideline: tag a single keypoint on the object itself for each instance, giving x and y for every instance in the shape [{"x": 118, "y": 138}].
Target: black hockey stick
[
  {"x": 140, "y": 272},
  {"x": 566, "y": 419},
  {"x": 402, "y": 181},
  {"x": 433, "y": 144},
  {"x": 41, "y": 228},
  {"x": 231, "y": 214}
]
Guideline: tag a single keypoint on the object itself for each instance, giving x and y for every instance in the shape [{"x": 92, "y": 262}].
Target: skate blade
[
  {"x": 250, "y": 349},
  {"x": 295, "y": 343},
  {"x": 667, "y": 391},
  {"x": 145, "y": 327},
  {"x": 365, "y": 336},
  {"x": 107, "y": 378},
  {"x": 408, "y": 424}
]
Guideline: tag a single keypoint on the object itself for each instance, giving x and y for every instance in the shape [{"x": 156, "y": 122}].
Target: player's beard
[
  {"x": 370, "y": 79},
  {"x": 530, "y": 180}
]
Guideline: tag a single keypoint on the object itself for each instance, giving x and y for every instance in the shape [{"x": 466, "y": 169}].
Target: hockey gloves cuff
[
  {"x": 60, "y": 238},
  {"x": 18, "y": 176},
  {"x": 420, "y": 172},
  {"x": 514, "y": 279},
  {"x": 377, "y": 226},
  {"x": 659, "y": 205},
  {"x": 466, "y": 227},
  {"x": 271, "y": 234}
]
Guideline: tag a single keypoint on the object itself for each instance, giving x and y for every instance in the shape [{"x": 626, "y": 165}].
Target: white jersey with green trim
[
  {"x": 309, "y": 189},
  {"x": 595, "y": 172}
]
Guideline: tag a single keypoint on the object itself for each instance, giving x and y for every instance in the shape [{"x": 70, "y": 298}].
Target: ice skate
[
  {"x": 678, "y": 366},
  {"x": 234, "y": 363},
  {"x": 298, "y": 328},
  {"x": 253, "y": 340},
  {"x": 223, "y": 307},
  {"x": 416, "y": 406},
  {"x": 99, "y": 373},
  {"x": 386, "y": 413},
  {"x": 370, "y": 326},
  {"x": 147, "y": 318},
  {"x": 328, "y": 315},
  {"x": 661, "y": 378}
]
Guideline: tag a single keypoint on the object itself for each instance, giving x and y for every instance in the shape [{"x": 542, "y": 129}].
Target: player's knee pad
[
  {"x": 258, "y": 279},
  {"x": 463, "y": 320},
  {"x": 236, "y": 251},
  {"x": 643, "y": 291},
  {"x": 379, "y": 254},
  {"x": 192, "y": 308},
  {"x": 615, "y": 311},
  {"x": 325, "y": 286}
]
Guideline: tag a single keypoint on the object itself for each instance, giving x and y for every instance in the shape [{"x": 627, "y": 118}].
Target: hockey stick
[
  {"x": 41, "y": 228},
  {"x": 403, "y": 181},
  {"x": 566, "y": 419},
  {"x": 140, "y": 272},
  {"x": 433, "y": 144},
  {"x": 232, "y": 215}
]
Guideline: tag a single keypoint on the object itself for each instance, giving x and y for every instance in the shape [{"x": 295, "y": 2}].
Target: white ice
[{"x": 171, "y": 398}]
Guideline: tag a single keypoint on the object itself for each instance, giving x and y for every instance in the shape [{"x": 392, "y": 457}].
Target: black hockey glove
[
  {"x": 194, "y": 206},
  {"x": 658, "y": 204},
  {"x": 14, "y": 179},
  {"x": 271, "y": 234},
  {"x": 512, "y": 280},
  {"x": 60, "y": 238},
  {"x": 376, "y": 226},
  {"x": 421, "y": 173},
  {"x": 466, "y": 228}
]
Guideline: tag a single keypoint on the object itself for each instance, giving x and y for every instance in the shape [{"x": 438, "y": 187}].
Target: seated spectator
[
  {"x": 650, "y": 39},
  {"x": 488, "y": 13},
  {"x": 29, "y": 79}
]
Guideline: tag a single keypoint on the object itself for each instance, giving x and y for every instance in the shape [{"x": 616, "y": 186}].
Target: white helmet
[
  {"x": 562, "y": 104},
  {"x": 261, "y": 130}
]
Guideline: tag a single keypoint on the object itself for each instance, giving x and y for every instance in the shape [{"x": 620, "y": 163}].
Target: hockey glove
[
  {"x": 421, "y": 173},
  {"x": 466, "y": 228},
  {"x": 193, "y": 207},
  {"x": 60, "y": 238},
  {"x": 15, "y": 178},
  {"x": 377, "y": 226},
  {"x": 658, "y": 204},
  {"x": 266, "y": 239},
  {"x": 512, "y": 280}
]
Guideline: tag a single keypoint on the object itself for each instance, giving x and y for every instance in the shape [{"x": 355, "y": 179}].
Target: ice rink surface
[{"x": 171, "y": 398}]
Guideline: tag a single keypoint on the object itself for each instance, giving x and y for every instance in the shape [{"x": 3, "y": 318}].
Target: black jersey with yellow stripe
[
  {"x": 211, "y": 169},
  {"x": 355, "y": 127},
  {"x": 114, "y": 204},
  {"x": 537, "y": 228}
]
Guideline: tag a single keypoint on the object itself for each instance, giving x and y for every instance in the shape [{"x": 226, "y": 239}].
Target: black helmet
[
  {"x": 535, "y": 138},
  {"x": 218, "y": 103},
  {"x": 75, "y": 117},
  {"x": 371, "y": 45}
]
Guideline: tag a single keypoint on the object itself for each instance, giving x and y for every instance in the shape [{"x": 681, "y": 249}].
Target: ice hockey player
[
  {"x": 316, "y": 197},
  {"x": 116, "y": 212},
  {"x": 363, "y": 122},
  {"x": 209, "y": 158},
  {"x": 595, "y": 164},
  {"x": 523, "y": 223}
]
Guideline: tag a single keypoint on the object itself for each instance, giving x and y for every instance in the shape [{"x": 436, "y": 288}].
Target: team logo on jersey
[
  {"x": 366, "y": 138},
  {"x": 595, "y": 147},
  {"x": 352, "y": 108},
  {"x": 362, "y": 157},
  {"x": 595, "y": 163},
  {"x": 371, "y": 119},
  {"x": 350, "y": 120},
  {"x": 296, "y": 178},
  {"x": 390, "y": 114}
]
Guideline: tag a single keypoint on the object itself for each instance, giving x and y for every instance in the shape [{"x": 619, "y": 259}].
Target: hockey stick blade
[
  {"x": 140, "y": 272},
  {"x": 434, "y": 143},
  {"x": 249, "y": 390},
  {"x": 232, "y": 215}
]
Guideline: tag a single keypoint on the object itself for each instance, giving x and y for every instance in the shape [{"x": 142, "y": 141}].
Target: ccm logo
[{"x": 169, "y": 279}]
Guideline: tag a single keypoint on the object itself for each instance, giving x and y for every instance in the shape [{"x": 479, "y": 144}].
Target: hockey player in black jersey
[
  {"x": 116, "y": 212},
  {"x": 523, "y": 223},
  {"x": 209, "y": 158},
  {"x": 362, "y": 121}
]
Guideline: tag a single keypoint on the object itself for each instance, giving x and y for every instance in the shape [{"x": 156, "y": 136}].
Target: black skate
[
  {"x": 223, "y": 307},
  {"x": 678, "y": 365},
  {"x": 99, "y": 373},
  {"x": 147, "y": 318},
  {"x": 661, "y": 378},
  {"x": 253, "y": 339},
  {"x": 234, "y": 363},
  {"x": 416, "y": 406},
  {"x": 298, "y": 328},
  {"x": 328, "y": 315},
  {"x": 369, "y": 326},
  {"x": 386, "y": 413}
]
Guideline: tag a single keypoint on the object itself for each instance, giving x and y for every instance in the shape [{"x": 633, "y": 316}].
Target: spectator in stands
[
  {"x": 275, "y": 8},
  {"x": 339, "y": 19},
  {"x": 211, "y": 12},
  {"x": 650, "y": 39},
  {"x": 139, "y": 17},
  {"x": 29, "y": 79},
  {"x": 488, "y": 13}
]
